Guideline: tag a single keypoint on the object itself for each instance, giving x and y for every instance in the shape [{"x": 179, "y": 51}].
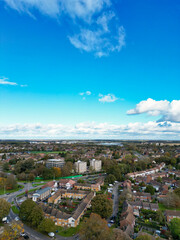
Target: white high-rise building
[
  {"x": 80, "y": 166},
  {"x": 96, "y": 164}
]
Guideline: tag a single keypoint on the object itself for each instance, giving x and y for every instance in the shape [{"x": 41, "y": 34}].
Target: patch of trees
[
  {"x": 102, "y": 205},
  {"x": 4, "y": 208},
  {"x": 96, "y": 228},
  {"x": 150, "y": 189},
  {"x": 32, "y": 214},
  {"x": 174, "y": 228},
  {"x": 8, "y": 183}
]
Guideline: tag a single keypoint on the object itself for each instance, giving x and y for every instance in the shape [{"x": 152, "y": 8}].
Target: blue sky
[{"x": 75, "y": 69}]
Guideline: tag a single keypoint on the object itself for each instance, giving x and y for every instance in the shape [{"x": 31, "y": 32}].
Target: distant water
[{"x": 111, "y": 144}]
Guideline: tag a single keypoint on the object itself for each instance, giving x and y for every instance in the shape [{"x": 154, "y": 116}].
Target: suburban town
[
  {"x": 90, "y": 119},
  {"x": 128, "y": 189}
]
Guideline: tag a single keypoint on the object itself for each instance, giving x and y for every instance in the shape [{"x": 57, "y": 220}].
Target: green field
[
  {"x": 15, "y": 209},
  {"x": 69, "y": 231},
  {"x": 55, "y": 152},
  {"x": 11, "y": 191},
  {"x": 163, "y": 208}
]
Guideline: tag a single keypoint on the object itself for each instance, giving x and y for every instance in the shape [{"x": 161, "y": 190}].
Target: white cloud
[
  {"x": 98, "y": 42},
  {"x": 170, "y": 111},
  {"x": 5, "y": 81},
  {"x": 97, "y": 28},
  {"x": 107, "y": 98},
  {"x": 138, "y": 130},
  {"x": 87, "y": 93}
]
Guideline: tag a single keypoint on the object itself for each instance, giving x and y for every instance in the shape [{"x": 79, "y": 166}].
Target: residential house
[
  {"x": 41, "y": 194},
  {"x": 142, "y": 196},
  {"x": 170, "y": 214},
  {"x": 66, "y": 183}
]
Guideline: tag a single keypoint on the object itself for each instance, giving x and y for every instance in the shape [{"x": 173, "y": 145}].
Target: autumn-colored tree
[
  {"x": 11, "y": 182},
  {"x": 2, "y": 182},
  {"x": 4, "y": 208},
  {"x": 102, "y": 206},
  {"x": 95, "y": 228},
  {"x": 57, "y": 172},
  {"x": 12, "y": 232}
]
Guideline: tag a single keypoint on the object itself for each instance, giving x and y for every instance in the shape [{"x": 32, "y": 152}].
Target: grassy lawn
[
  {"x": 15, "y": 209},
  {"x": 37, "y": 184},
  {"x": 163, "y": 208},
  {"x": 11, "y": 191},
  {"x": 55, "y": 152},
  {"x": 68, "y": 232}
]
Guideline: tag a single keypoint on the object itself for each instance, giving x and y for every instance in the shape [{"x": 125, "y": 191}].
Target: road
[
  {"x": 115, "y": 192},
  {"x": 115, "y": 199},
  {"x": 33, "y": 235}
]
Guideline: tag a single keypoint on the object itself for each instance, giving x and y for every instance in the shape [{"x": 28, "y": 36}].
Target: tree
[
  {"x": 102, "y": 206},
  {"x": 174, "y": 228},
  {"x": 31, "y": 177},
  {"x": 26, "y": 209},
  {"x": 67, "y": 169},
  {"x": 177, "y": 191},
  {"x": 6, "y": 166},
  {"x": 36, "y": 216},
  {"x": 4, "y": 208},
  {"x": 12, "y": 232},
  {"x": 80, "y": 181},
  {"x": 11, "y": 182},
  {"x": 95, "y": 228},
  {"x": 160, "y": 217},
  {"x": 150, "y": 189},
  {"x": 120, "y": 235},
  {"x": 57, "y": 172},
  {"x": 110, "y": 178},
  {"x": 144, "y": 237},
  {"x": 2, "y": 182},
  {"x": 21, "y": 176},
  {"x": 47, "y": 173},
  {"x": 47, "y": 225}
]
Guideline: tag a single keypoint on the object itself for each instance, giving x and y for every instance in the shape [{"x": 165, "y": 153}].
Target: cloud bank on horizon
[
  {"x": 138, "y": 130},
  {"x": 98, "y": 29},
  {"x": 168, "y": 127}
]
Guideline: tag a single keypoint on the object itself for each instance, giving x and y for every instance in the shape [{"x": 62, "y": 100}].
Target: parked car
[
  {"x": 51, "y": 234},
  {"x": 24, "y": 235}
]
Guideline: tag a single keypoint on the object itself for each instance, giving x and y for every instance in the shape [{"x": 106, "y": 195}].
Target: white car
[
  {"x": 16, "y": 219},
  {"x": 51, "y": 234}
]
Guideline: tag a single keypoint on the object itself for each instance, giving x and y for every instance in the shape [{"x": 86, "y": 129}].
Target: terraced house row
[
  {"x": 147, "y": 172},
  {"x": 69, "y": 220},
  {"x": 61, "y": 193}
]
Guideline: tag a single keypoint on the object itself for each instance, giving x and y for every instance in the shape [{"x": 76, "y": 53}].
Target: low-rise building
[
  {"x": 127, "y": 219},
  {"x": 170, "y": 214},
  {"x": 41, "y": 194},
  {"x": 66, "y": 183},
  {"x": 142, "y": 196},
  {"x": 69, "y": 220},
  {"x": 59, "y": 163},
  {"x": 61, "y": 193}
]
